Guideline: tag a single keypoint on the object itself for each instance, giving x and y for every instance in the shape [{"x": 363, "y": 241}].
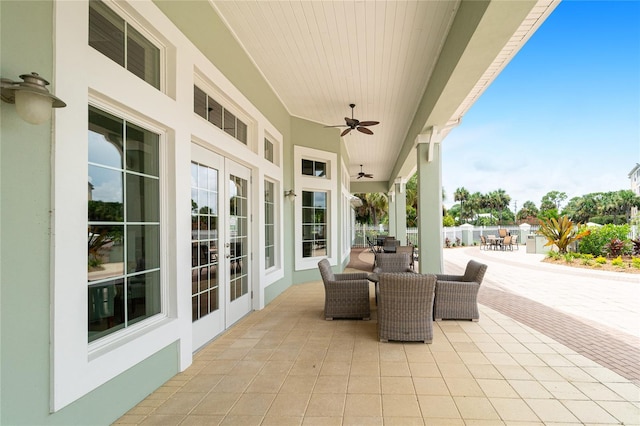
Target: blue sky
[{"x": 563, "y": 115}]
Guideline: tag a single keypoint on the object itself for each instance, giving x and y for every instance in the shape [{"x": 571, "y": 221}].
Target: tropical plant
[
  {"x": 615, "y": 247},
  {"x": 635, "y": 262},
  {"x": 561, "y": 232}
]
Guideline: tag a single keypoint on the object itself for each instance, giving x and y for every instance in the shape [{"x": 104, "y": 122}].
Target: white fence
[{"x": 454, "y": 233}]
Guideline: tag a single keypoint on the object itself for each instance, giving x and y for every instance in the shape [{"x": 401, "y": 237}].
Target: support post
[
  {"x": 401, "y": 211},
  {"x": 430, "y": 202}
]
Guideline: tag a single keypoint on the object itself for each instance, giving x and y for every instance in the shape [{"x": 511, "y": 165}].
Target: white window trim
[
  {"x": 80, "y": 366},
  {"x": 328, "y": 184},
  {"x": 277, "y": 243},
  {"x": 346, "y": 213}
]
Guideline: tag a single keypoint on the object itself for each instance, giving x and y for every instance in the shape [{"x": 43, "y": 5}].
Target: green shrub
[
  {"x": 568, "y": 257},
  {"x": 552, "y": 254},
  {"x": 618, "y": 262},
  {"x": 595, "y": 242},
  {"x": 600, "y": 260},
  {"x": 448, "y": 220},
  {"x": 586, "y": 261},
  {"x": 635, "y": 262}
]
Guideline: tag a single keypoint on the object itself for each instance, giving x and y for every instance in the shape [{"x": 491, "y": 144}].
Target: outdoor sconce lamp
[
  {"x": 290, "y": 194},
  {"x": 33, "y": 100}
]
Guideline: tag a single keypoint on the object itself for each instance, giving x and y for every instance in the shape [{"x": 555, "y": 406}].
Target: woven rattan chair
[
  {"x": 346, "y": 295},
  {"x": 457, "y": 295},
  {"x": 405, "y": 307},
  {"x": 393, "y": 262},
  {"x": 409, "y": 251}
]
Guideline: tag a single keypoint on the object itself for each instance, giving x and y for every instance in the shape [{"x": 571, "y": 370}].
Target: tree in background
[
  {"x": 412, "y": 201},
  {"x": 462, "y": 195},
  {"x": 528, "y": 212},
  {"x": 550, "y": 204},
  {"x": 498, "y": 201},
  {"x": 374, "y": 208},
  {"x": 603, "y": 207}
]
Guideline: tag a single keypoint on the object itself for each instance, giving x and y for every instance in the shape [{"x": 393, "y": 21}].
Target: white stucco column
[
  {"x": 392, "y": 213},
  {"x": 429, "y": 163},
  {"x": 401, "y": 210}
]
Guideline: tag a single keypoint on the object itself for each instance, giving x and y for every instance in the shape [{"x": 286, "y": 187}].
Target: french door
[{"x": 220, "y": 241}]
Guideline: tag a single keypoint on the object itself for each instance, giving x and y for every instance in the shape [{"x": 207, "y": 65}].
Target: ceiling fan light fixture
[{"x": 353, "y": 123}]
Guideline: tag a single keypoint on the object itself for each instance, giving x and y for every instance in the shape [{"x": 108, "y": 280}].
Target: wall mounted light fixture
[
  {"x": 33, "y": 100},
  {"x": 290, "y": 194}
]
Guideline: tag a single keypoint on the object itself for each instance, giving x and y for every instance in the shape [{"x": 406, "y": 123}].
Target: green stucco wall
[{"x": 26, "y": 30}]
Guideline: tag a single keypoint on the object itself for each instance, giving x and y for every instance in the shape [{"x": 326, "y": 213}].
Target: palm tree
[
  {"x": 502, "y": 200},
  {"x": 378, "y": 206},
  {"x": 474, "y": 204},
  {"x": 461, "y": 194}
]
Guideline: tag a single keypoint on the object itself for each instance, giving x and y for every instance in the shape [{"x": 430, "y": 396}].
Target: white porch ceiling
[{"x": 320, "y": 56}]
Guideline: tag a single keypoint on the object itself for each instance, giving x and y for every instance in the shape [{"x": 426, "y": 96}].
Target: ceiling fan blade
[
  {"x": 347, "y": 130},
  {"x": 369, "y": 123},
  {"x": 365, "y": 130},
  {"x": 368, "y": 175}
]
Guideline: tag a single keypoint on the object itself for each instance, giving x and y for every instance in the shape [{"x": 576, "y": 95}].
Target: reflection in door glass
[
  {"x": 238, "y": 221},
  {"x": 204, "y": 241}
]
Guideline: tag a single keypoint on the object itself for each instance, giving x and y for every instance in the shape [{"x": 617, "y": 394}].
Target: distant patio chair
[
  {"x": 405, "y": 309},
  {"x": 502, "y": 232},
  {"x": 457, "y": 295},
  {"x": 506, "y": 243},
  {"x": 346, "y": 295},
  {"x": 514, "y": 242},
  {"x": 483, "y": 242}
]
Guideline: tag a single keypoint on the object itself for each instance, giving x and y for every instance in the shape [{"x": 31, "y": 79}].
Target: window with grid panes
[
  {"x": 314, "y": 223},
  {"x": 207, "y": 107},
  {"x": 123, "y": 258},
  {"x": 116, "y": 39},
  {"x": 269, "y": 224}
]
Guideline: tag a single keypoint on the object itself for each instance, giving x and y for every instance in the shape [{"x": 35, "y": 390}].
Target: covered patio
[{"x": 533, "y": 358}]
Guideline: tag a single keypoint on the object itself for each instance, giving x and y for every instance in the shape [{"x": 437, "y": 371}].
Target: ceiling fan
[
  {"x": 352, "y": 123},
  {"x": 363, "y": 174}
]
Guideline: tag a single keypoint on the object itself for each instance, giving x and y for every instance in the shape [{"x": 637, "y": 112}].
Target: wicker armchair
[
  {"x": 457, "y": 295},
  {"x": 405, "y": 307},
  {"x": 346, "y": 295},
  {"x": 393, "y": 262}
]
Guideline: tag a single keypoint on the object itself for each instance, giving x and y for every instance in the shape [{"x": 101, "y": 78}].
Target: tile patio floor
[{"x": 553, "y": 346}]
